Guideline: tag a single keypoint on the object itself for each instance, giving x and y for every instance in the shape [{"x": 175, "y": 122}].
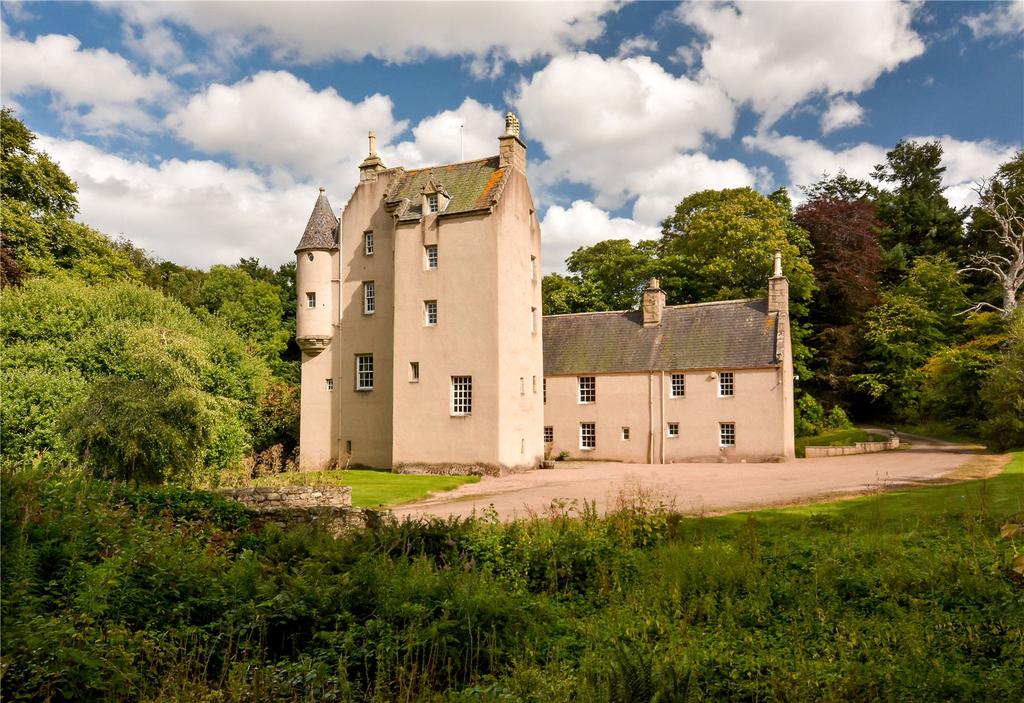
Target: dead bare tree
[{"x": 1007, "y": 264}]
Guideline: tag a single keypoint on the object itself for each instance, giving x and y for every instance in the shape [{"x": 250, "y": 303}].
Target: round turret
[{"x": 313, "y": 279}]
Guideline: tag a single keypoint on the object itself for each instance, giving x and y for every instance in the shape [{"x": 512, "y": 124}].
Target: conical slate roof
[{"x": 322, "y": 228}]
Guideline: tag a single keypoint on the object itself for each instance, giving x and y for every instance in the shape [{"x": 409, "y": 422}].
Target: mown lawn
[
  {"x": 838, "y": 438},
  {"x": 173, "y": 595},
  {"x": 371, "y": 488}
]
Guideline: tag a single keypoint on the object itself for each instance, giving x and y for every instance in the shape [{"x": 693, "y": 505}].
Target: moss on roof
[{"x": 471, "y": 185}]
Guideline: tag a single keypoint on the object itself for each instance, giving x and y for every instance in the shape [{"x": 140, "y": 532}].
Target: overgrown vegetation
[
  {"x": 370, "y": 488},
  {"x": 837, "y": 438},
  {"x": 160, "y": 595}
]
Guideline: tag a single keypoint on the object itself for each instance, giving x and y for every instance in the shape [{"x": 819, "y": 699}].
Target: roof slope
[
  {"x": 472, "y": 185},
  {"x": 322, "y": 228},
  {"x": 733, "y": 334}
]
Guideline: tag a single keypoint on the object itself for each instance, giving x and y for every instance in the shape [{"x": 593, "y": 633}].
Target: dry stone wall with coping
[
  {"x": 858, "y": 448},
  {"x": 265, "y": 500}
]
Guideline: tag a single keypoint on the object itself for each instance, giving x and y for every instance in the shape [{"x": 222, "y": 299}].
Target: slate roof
[
  {"x": 472, "y": 185},
  {"x": 322, "y": 228},
  {"x": 733, "y": 334}
]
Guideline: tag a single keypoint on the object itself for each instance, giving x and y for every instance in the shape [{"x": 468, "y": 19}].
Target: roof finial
[
  {"x": 511, "y": 124},
  {"x": 373, "y": 144},
  {"x": 778, "y": 265},
  {"x": 322, "y": 190}
]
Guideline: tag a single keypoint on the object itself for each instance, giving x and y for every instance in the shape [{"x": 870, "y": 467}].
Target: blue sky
[{"x": 201, "y": 130}]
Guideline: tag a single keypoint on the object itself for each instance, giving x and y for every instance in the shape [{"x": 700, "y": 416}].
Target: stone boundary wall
[
  {"x": 268, "y": 500},
  {"x": 858, "y": 448},
  {"x": 460, "y": 469}
]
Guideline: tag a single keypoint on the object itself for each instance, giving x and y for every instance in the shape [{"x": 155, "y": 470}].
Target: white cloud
[
  {"x": 94, "y": 87},
  {"x": 806, "y": 160},
  {"x": 1006, "y": 19},
  {"x": 395, "y": 32},
  {"x": 276, "y": 120},
  {"x": 776, "y": 55},
  {"x": 583, "y": 224},
  {"x": 842, "y": 112},
  {"x": 191, "y": 212},
  {"x": 159, "y": 47},
  {"x": 637, "y": 45},
  {"x": 608, "y": 123},
  {"x": 436, "y": 139}
]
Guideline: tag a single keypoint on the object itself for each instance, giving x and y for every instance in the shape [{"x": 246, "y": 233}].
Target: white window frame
[
  {"x": 726, "y": 384},
  {"x": 430, "y": 253},
  {"x": 588, "y": 430},
  {"x": 430, "y": 313},
  {"x": 364, "y": 372},
  {"x": 726, "y": 434},
  {"x": 368, "y": 242},
  {"x": 586, "y": 390},
  {"x": 462, "y": 396},
  {"x": 672, "y": 430},
  {"x": 329, "y": 384},
  {"x": 549, "y": 434},
  {"x": 625, "y": 434},
  {"x": 369, "y": 297},
  {"x": 311, "y": 300},
  {"x": 677, "y": 386},
  {"x": 433, "y": 203}
]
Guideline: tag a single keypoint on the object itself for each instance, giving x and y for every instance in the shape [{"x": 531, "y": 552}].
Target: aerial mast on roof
[{"x": 462, "y": 147}]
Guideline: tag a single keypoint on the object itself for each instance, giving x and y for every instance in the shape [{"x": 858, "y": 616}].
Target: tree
[
  {"x": 1003, "y": 391},
  {"x": 31, "y": 176},
  {"x": 918, "y": 219},
  {"x": 249, "y": 306},
  {"x": 616, "y": 269},
  {"x": 998, "y": 224},
  {"x": 567, "y": 294}
]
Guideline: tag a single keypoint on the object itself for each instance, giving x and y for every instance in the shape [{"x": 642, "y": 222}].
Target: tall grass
[{"x": 172, "y": 595}]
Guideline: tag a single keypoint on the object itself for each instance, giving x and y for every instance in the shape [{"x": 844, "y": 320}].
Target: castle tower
[{"x": 315, "y": 318}]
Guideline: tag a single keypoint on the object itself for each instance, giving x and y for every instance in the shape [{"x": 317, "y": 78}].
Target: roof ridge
[
  {"x": 667, "y": 307},
  {"x": 454, "y": 163}
]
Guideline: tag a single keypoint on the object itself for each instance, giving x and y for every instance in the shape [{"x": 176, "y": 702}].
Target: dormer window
[{"x": 432, "y": 203}]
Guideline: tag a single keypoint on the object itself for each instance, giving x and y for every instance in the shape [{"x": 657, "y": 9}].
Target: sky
[{"x": 201, "y": 131}]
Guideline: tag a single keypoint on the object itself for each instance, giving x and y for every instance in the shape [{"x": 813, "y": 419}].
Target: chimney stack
[
  {"x": 511, "y": 149},
  {"x": 778, "y": 287},
  {"x": 372, "y": 164},
  {"x": 654, "y": 303}
]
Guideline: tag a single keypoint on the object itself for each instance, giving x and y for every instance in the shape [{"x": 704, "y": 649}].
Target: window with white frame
[
  {"x": 368, "y": 243},
  {"x": 726, "y": 384},
  {"x": 329, "y": 384},
  {"x": 414, "y": 372},
  {"x": 549, "y": 435},
  {"x": 369, "y": 298},
  {"x": 587, "y": 389},
  {"x": 364, "y": 372},
  {"x": 727, "y": 434},
  {"x": 432, "y": 203},
  {"x": 431, "y": 254},
  {"x": 310, "y": 300},
  {"x": 462, "y": 395},
  {"x": 625, "y": 434},
  {"x": 430, "y": 313},
  {"x": 588, "y": 435},
  {"x": 673, "y": 429},
  {"x": 678, "y": 385}
]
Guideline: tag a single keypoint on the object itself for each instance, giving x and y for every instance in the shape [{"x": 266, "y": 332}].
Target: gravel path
[{"x": 697, "y": 488}]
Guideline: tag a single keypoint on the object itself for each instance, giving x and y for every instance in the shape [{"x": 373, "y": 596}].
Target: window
[
  {"x": 462, "y": 395},
  {"x": 549, "y": 435},
  {"x": 432, "y": 202},
  {"x": 533, "y": 268},
  {"x": 678, "y": 385},
  {"x": 673, "y": 429},
  {"x": 364, "y": 372},
  {"x": 544, "y": 389},
  {"x": 522, "y": 386},
  {"x": 533, "y": 319},
  {"x": 310, "y": 300},
  {"x": 588, "y": 435},
  {"x": 588, "y": 389},
  {"x": 348, "y": 446},
  {"x": 309, "y": 256},
  {"x": 725, "y": 384},
  {"x": 329, "y": 384},
  {"x": 369, "y": 298},
  {"x": 625, "y": 434},
  {"x": 727, "y": 434},
  {"x": 535, "y": 385},
  {"x": 414, "y": 372},
  {"x": 431, "y": 252},
  {"x": 430, "y": 313},
  {"x": 368, "y": 243}
]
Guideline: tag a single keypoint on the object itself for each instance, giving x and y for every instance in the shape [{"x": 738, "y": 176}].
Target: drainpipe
[
  {"x": 661, "y": 425},
  {"x": 650, "y": 411}
]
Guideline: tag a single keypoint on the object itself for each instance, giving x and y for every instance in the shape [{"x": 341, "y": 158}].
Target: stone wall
[
  {"x": 858, "y": 448},
  {"x": 266, "y": 500}
]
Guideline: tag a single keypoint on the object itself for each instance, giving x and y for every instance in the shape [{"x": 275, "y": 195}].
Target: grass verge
[
  {"x": 371, "y": 488},
  {"x": 838, "y": 438}
]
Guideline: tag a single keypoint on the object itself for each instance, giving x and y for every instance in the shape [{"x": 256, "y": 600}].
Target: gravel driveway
[{"x": 696, "y": 488}]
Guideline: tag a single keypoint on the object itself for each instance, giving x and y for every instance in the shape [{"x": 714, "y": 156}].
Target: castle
[{"x": 424, "y": 349}]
